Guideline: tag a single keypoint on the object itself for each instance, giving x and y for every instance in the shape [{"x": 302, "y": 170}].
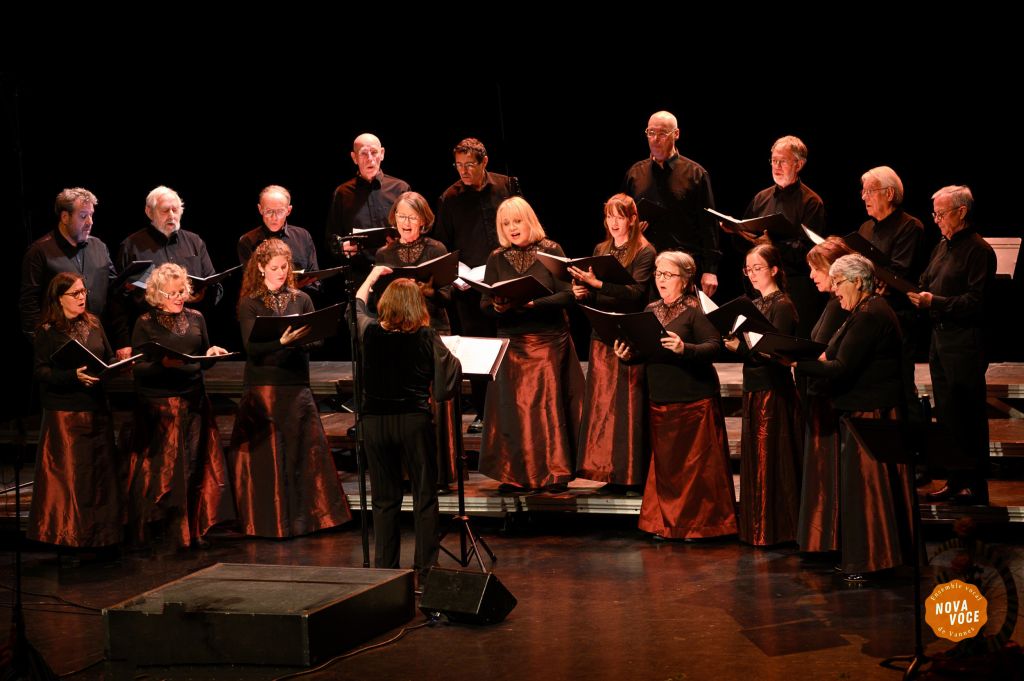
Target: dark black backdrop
[{"x": 218, "y": 139}]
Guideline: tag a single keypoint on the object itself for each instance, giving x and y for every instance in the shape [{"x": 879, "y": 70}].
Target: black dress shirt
[
  {"x": 296, "y": 238},
  {"x": 358, "y": 204},
  {"x": 959, "y": 276},
  {"x": 53, "y": 254},
  {"x": 801, "y": 206},
  {"x": 672, "y": 199},
  {"x": 466, "y": 217}
]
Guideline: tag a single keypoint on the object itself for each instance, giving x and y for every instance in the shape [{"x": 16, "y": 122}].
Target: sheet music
[
  {"x": 477, "y": 355},
  {"x": 467, "y": 272}
]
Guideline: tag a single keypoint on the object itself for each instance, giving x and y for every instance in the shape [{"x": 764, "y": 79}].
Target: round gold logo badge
[{"x": 956, "y": 610}]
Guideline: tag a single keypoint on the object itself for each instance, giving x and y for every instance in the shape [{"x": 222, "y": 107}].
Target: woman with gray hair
[
  {"x": 863, "y": 367},
  {"x": 689, "y": 490},
  {"x": 178, "y": 487}
]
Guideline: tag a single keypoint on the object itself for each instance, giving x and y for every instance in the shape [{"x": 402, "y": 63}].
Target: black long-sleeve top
[
  {"x": 959, "y": 276},
  {"x": 181, "y": 248},
  {"x": 59, "y": 386},
  {"x": 269, "y": 362},
  {"x": 403, "y": 370},
  {"x": 863, "y": 360},
  {"x": 801, "y": 206},
  {"x": 672, "y": 199},
  {"x": 397, "y": 254},
  {"x": 52, "y": 254},
  {"x": 901, "y": 237},
  {"x": 832, "y": 317},
  {"x": 184, "y": 332},
  {"x": 548, "y": 312},
  {"x": 466, "y": 217},
  {"x": 297, "y": 239},
  {"x": 764, "y": 374},
  {"x": 358, "y": 204},
  {"x": 691, "y": 376},
  {"x": 613, "y": 297}
]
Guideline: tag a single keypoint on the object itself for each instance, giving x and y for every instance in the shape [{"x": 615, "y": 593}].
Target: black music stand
[
  {"x": 470, "y": 543},
  {"x": 894, "y": 442}
]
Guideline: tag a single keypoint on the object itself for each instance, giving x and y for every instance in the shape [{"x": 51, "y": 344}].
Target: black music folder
[
  {"x": 444, "y": 269},
  {"x": 154, "y": 350},
  {"x": 520, "y": 289},
  {"x": 739, "y": 314},
  {"x": 882, "y": 263},
  {"x": 480, "y": 357},
  {"x": 199, "y": 283},
  {"x": 73, "y": 354},
  {"x": 304, "y": 278},
  {"x": 324, "y": 322},
  {"x": 781, "y": 347},
  {"x": 136, "y": 274},
  {"x": 640, "y": 330},
  {"x": 606, "y": 267}
]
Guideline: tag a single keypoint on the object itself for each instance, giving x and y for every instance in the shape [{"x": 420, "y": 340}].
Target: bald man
[
  {"x": 364, "y": 201},
  {"x": 671, "y": 193}
]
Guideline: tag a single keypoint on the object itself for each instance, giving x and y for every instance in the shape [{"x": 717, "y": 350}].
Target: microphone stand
[{"x": 356, "y": 348}]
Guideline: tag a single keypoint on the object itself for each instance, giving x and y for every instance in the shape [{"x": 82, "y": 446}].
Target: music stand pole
[
  {"x": 469, "y": 543},
  {"x": 918, "y": 659}
]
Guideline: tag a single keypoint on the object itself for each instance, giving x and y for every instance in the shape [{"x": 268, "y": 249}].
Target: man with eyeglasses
[
  {"x": 69, "y": 247},
  {"x": 275, "y": 206},
  {"x": 955, "y": 287},
  {"x": 364, "y": 201},
  {"x": 801, "y": 206},
  {"x": 671, "y": 193},
  {"x": 162, "y": 241},
  {"x": 466, "y": 214}
]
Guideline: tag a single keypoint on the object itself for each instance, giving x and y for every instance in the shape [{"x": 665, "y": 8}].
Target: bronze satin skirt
[
  {"x": 76, "y": 496},
  {"x": 875, "y": 506},
  {"x": 177, "y": 471},
  {"x": 771, "y": 450},
  {"x": 689, "y": 491},
  {"x": 613, "y": 438},
  {"x": 283, "y": 475},
  {"x": 818, "y": 524},
  {"x": 532, "y": 413}
]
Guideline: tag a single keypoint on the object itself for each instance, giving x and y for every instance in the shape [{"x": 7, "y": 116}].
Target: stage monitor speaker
[{"x": 463, "y": 596}]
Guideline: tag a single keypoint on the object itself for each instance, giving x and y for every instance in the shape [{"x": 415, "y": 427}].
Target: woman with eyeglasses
[
  {"x": 532, "y": 411},
  {"x": 613, "y": 442},
  {"x": 412, "y": 218},
  {"x": 177, "y": 482},
  {"x": 818, "y": 523},
  {"x": 76, "y": 498},
  {"x": 284, "y": 477},
  {"x": 689, "y": 489},
  {"x": 863, "y": 367},
  {"x": 771, "y": 443}
]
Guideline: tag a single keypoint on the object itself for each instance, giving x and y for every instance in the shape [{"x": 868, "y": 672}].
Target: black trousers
[
  {"x": 393, "y": 441},
  {"x": 958, "y": 364}
]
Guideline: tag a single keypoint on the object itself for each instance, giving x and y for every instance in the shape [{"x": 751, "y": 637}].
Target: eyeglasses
[
  {"x": 780, "y": 162},
  {"x": 176, "y": 294},
  {"x": 867, "y": 192},
  {"x": 370, "y": 153},
  {"x": 754, "y": 269},
  {"x": 77, "y": 295},
  {"x": 471, "y": 166},
  {"x": 406, "y": 218},
  {"x": 274, "y": 212},
  {"x": 837, "y": 282},
  {"x": 658, "y": 274},
  {"x": 658, "y": 134},
  {"x": 943, "y": 213}
]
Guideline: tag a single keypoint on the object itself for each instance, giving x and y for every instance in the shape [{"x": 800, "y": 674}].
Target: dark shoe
[
  {"x": 557, "y": 488},
  {"x": 944, "y": 494},
  {"x": 477, "y": 426}
]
